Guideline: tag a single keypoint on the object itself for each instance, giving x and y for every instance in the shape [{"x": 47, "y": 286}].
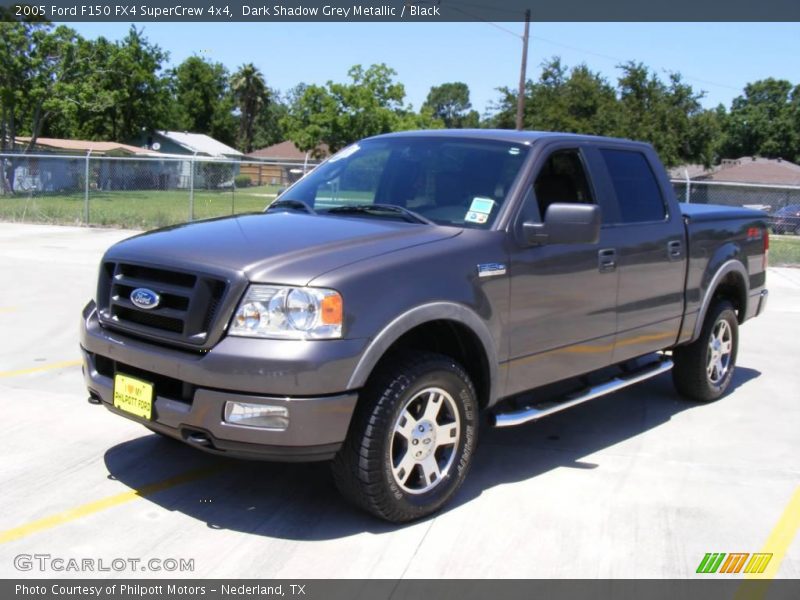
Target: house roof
[
  {"x": 199, "y": 143},
  {"x": 98, "y": 148},
  {"x": 751, "y": 169},
  {"x": 287, "y": 151}
]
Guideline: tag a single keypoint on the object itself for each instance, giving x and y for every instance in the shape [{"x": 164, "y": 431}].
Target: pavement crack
[{"x": 413, "y": 556}]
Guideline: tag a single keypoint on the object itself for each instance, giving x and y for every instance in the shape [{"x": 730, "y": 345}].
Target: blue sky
[{"x": 719, "y": 58}]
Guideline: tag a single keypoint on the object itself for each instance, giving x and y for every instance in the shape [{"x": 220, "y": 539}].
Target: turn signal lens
[{"x": 332, "y": 310}]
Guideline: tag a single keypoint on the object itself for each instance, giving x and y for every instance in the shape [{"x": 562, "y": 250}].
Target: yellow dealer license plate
[{"x": 133, "y": 396}]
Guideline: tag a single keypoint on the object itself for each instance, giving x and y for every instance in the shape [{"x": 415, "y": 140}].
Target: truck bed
[{"x": 697, "y": 213}]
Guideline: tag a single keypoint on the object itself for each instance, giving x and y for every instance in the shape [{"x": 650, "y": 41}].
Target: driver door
[{"x": 562, "y": 318}]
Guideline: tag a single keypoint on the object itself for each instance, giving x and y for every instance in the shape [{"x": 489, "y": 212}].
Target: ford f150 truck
[{"x": 412, "y": 286}]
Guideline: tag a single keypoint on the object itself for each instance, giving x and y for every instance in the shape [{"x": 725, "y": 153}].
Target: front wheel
[
  {"x": 411, "y": 440},
  {"x": 704, "y": 369}
]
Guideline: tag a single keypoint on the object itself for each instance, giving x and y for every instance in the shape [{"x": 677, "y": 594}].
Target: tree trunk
[{"x": 36, "y": 127}]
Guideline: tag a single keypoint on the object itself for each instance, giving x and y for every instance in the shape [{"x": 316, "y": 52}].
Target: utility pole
[{"x": 522, "y": 70}]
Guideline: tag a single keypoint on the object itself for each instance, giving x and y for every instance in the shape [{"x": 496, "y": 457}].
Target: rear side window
[{"x": 637, "y": 190}]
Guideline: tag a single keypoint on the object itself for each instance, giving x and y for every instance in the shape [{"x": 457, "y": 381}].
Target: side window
[
  {"x": 638, "y": 194},
  {"x": 562, "y": 179}
]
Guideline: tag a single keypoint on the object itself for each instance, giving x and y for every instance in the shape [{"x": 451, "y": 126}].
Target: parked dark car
[
  {"x": 413, "y": 286},
  {"x": 786, "y": 219}
]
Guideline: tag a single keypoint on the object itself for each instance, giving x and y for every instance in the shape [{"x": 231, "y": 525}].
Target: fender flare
[
  {"x": 435, "y": 311},
  {"x": 730, "y": 266}
]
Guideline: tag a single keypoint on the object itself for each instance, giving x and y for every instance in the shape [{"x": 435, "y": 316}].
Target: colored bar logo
[{"x": 719, "y": 562}]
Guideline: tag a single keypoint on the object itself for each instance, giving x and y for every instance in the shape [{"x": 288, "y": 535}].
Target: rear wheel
[
  {"x": 411, "y": 440},
  {"x": 704, "y": 369}
]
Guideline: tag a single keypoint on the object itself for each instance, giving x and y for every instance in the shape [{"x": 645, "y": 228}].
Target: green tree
[
  {"x": 764, "y": 121},
  {"x": 642, "y": 106},
  {"x": 577, "y": 101},
  {"x": 338, "y": 114},
  {"x": 590, "y": 103},
  {"x": 450, "y": 103},
  {"x": 268, "y": 129},
  {"x": 120, "y": 90},
  {"x": 38, "y": 68},
  {"x": 141, "y": 95},
  {"x": 202, "y": 99},
  {"x": 657, "y": 112},
  {"x": 706, "y": 137},
  {"x": 251, "y": 95}
]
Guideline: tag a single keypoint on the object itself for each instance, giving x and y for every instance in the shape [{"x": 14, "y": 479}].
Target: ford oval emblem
[{"x": 144, "y": 298}]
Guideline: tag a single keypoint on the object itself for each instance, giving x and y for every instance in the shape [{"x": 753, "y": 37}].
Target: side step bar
[{"x": 518, "y": 417}]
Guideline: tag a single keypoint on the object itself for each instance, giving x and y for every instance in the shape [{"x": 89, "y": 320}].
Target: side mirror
[{"x": 565, "y": 224}]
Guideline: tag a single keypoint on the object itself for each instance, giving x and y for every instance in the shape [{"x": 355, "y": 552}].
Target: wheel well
[
  {"x": 732, "y": 288},
  {"x": 452, "y": 339}
]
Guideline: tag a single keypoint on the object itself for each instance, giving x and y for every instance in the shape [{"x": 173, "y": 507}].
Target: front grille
[
  {"x": 187, "y": 307},
  {"x": 147, "y": 319}
]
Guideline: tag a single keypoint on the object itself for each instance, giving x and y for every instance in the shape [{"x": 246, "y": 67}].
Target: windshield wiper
[
  {"x": 377, "y": 209},
  {"x": 292, "y": 204}
]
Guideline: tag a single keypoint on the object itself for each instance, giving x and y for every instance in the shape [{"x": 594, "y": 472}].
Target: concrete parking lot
[{"x": 637, "y": 484}]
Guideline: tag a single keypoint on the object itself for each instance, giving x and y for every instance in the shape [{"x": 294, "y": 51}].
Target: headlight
[{"x": 272, "y": 311}]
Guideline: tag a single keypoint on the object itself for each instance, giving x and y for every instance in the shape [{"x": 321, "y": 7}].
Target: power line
[
  {"x": 616, "y": 59},
  {"x": 508, "y": 11},
  {"x": 487, "y": 22}
]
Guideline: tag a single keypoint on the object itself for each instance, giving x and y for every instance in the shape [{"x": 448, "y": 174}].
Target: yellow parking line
[
  {"x": 84, "y": 510},
  {"x": 57, "y": 365},
  {"x": 781, "y": 538}
]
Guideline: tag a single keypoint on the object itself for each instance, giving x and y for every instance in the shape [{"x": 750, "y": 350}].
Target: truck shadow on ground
[{"x": 300, "y": 502}]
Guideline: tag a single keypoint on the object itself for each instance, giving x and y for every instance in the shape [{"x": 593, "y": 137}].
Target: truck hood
[{"x": 284, "y": 248}]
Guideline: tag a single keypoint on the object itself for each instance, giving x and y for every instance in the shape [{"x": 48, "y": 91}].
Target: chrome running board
[{"x": 518, "y": 417}]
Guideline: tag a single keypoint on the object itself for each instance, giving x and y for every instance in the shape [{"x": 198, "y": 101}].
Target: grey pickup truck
[{"x": 413, "y": 286}]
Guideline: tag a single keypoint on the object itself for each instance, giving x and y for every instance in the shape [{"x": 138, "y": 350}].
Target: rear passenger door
[{"x": 651, "y": 251}]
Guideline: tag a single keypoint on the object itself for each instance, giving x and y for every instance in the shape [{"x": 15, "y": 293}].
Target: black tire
[
  {"x": 363, "y": 470},
  {"x": 690, "y": 373}
]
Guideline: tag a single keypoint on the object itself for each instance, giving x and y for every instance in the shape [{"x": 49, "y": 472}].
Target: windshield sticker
[
  {"x": 481, "y": 205},
  {"x": 513, "y": 150},
  {"x": 349, "y": 151},
  {"x": 476, "y": 217}
]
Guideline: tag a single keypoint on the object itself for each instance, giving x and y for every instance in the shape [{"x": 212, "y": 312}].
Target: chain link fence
[
  {"x": 782, "y": 203},
  {"x": 150, "y": 192},
  {"x": 133, "y": 192}
]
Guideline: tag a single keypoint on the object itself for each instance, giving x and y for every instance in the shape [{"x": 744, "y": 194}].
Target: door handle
[
  {"x": 607, "y": 260},
  {"x": 675, "y": 249}
]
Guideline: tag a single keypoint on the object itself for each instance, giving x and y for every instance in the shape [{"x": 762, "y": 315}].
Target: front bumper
[{"x": 191, "y": 390}]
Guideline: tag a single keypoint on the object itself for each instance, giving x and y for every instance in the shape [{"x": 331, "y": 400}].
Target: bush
[{"x": 242, "y": 181}]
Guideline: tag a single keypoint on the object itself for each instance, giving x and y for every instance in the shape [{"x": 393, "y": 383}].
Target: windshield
[{"x": 449, "y": 181}]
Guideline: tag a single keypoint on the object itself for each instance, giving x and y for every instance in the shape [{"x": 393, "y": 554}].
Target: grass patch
[
  {"x": 139, "y": 209},
  {"x": 784, "y": 250}
]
